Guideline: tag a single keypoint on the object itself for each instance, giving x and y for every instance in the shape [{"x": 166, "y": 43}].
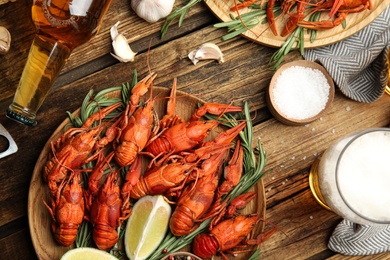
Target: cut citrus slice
[
  {"x": 87, "y": 253},
  {"x": 146, "y": 226}
]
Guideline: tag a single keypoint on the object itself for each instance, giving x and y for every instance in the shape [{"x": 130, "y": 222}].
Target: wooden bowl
[
  {"x": 273, "y": 106},
  {"x": 39, "y": 218}
]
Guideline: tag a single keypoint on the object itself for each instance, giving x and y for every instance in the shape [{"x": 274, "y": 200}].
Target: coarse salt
[{"x": 301, "y": 92}]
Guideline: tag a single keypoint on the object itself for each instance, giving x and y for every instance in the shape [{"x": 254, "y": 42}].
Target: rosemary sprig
[
  {"x": 126, "y": 88},
  {"x": 312, "y": 32},
  {"x": 84, "y": 235},
  {"x": 294, "y": 41},
  {"x": 177, "y": 13},
  {"x": 253, "y": 171},
  {"x": 239, "y": 25},
  {"x": 92, "y": 104},
  {"x": 255, "y": 255},
  {"x": 117, "y": 249}
]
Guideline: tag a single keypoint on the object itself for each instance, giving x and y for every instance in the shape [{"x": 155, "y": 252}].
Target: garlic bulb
[
  {"x": 152, "y": 10},
  {"x": 5, "y": 40},
  {"x": 122, "y": 50},
  {"x": 207, "y": 51}
]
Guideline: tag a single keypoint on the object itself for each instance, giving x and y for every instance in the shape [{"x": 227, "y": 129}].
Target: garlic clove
[
  {"x": 114, "y": 31},
  {"x": 152, "y": 10},
  {"x": 122, "y": 50},
  {"x": 207, "y": 51},
  {"x": 5, "y": 40}
]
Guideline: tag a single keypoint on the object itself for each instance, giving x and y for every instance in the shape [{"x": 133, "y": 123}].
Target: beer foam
[{"x": 363, "y": 176}]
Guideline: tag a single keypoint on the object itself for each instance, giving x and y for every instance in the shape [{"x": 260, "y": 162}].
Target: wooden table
[{"x": 304, "y": 225}]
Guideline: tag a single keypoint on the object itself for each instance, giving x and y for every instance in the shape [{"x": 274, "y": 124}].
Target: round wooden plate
[
  {"x": 261, "y": 33},
  {"x": 38, "y": 216}
]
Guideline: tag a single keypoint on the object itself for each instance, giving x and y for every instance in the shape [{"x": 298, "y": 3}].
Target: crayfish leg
[
  {"x": 214, "y": 109},
  {"x": 239, "y": 203},
  {"x": 271, "y": 17},
  {"x": 170, "y": 118},
  {"x": 262, "y": 237}
]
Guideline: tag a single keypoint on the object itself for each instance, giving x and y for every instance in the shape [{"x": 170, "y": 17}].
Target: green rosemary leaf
[
  {"x": 182, "y": 16},
  {"x": 312, "y": 32},
  {"x": 301, "y": 42},
  {"x": 174, "y": 244},
  {"x": 287, "y": 47},
  {"x": 233, "y": 34},
  {"x": 83, "y": 116},
  {"x": 255, "y": 255},
  {"x": 177, "y": 13},
  {"x": 117, "y": 249},
  {"x": 127, "y": 87},
  {"x": 106, "y": 91},
  {"x": 246, "y": 18},
  {"x": 237, "y": 29},
  {"x": 293, "y": 40},
  {"x": 75, "y": 121},
  {"x": 84, "y": 235}
]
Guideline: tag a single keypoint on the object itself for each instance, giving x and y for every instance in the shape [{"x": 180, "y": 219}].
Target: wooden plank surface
[{"x": 304, "y": 226}]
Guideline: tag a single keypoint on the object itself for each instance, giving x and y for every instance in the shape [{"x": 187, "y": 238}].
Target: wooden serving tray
[
  {"x": 261, "y": 33},
  {"x": 38, "y": 216}
]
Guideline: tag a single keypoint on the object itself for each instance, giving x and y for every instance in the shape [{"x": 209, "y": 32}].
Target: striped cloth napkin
[
  {"x": 358, "y": 64},
  {"x": 353, "y": 239}
]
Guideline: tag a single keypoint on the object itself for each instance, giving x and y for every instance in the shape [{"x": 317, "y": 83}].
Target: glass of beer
[
  {"x": 353, "y": 175},
  {"x": 61, "y": 26}
]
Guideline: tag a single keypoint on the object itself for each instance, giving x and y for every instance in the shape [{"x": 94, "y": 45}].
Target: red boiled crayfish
[
  {"x": 73, "y": 149},
  {"x": 185, "y": 136},
  {"x": 230, "y": 233},
  {"x": 172, "y": 175},
  {"x": 195, "y": 201},
  {"x": 177, "y": 135},
  {"x": 106, "y": 213},
  {"x": 67, "y": 210},
  {"x": 203, "y": 199},
  {"x": 295, "y": 18},
  {"x": 95, "y": 178},
  {"x": 162, "y": 179},
  {"x": 137, "y": 127},
  {"x": 340, "y": 7}
]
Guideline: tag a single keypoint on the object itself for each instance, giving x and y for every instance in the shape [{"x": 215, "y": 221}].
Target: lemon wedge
[
  {"x": 87, "y": 253},
  {"x": 146, "y": 226}
]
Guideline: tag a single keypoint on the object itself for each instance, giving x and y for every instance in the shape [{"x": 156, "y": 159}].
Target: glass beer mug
[
  {"x": 61, "y": 25},
  {"x": 353, "y": 175}
]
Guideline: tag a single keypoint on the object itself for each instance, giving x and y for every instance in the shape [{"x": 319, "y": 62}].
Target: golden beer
[
  {"x": 352, "y": 177},
  {"x": 61, "y": 26}
]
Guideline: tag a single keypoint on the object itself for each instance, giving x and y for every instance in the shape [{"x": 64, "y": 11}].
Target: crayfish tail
[
  {"x": 205, "y": 246},
  {"x": 104, "y": 236},
  {"x": 65, "y": 234}
]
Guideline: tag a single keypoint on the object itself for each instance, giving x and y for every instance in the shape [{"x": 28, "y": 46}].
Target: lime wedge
[
  {"x": 147, "y": 226},
  {"x": 87, "y": 253}
]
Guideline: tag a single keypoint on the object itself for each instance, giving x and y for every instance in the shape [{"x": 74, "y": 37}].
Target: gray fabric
[
  {"x": 358, "y": 64},
  {"x": 353, "y": 239}
]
